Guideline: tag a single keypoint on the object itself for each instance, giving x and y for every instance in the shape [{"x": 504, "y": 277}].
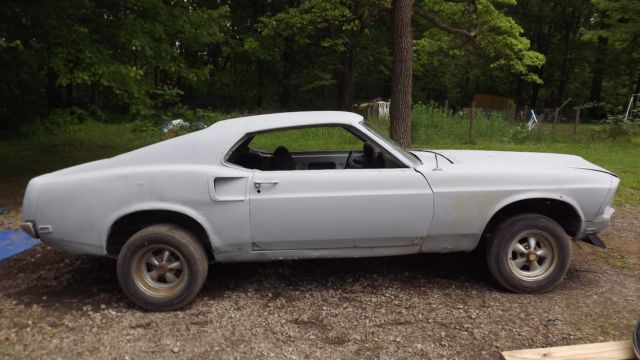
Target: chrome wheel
[
  {"x": 532, "y": 255},
  {"x": 159, "y": 270}
]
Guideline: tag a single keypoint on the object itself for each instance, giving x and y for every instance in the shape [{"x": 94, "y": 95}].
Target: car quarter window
[
  {"x": 326, "y": 138},
  {"x": 310, "y": 148}
]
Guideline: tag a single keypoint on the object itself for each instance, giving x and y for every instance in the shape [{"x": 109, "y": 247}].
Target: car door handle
[{"x": 259, "y": 183}]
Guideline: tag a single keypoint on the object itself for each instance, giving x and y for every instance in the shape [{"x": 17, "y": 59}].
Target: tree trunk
[
  {"x": 97, "y": 96},
  {"x": 53, "y": 93},
  {"x": 346, "y": 79},
  {"x": 542, "y": 44},
  {"x": 597, "y": 111},
  {"x": 519, "y": 97},
  {"x": 466, "y": 89},
  {"x": 259, "y": 81},
  {"x": 401, "y": 76},
  {"x": 598, "y": 70},
  {"x": 68, "y": 98},
  {"x": 535, "y": 91},
  {"x": 287, "y": 62},
  {"x": 571, "y": 30}
]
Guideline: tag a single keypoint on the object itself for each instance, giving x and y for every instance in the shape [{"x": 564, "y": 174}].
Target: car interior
[{"x": 290, "y": 152}]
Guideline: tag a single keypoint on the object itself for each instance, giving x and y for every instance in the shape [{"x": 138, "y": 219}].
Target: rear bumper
[{"x": 30, "y": 228}]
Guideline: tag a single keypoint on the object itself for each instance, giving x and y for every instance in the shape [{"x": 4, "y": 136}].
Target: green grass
[
  {"x": 21, "y": 160},
  {"x": 52, "y": 148},
  {"x": 434, "y": 128},
  {"x": 307, "y": 139},
  {"x": 623, "y": 158}
]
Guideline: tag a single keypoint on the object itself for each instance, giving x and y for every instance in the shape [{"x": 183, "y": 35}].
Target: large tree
[
  {"x": 134, "y": 55},
  {"x": 493, "y": 36},
  {"x": 402, "y": 73},
  {"x": 331, "y": 34},
  {"x": 617, "y": 30},
  {"x": 130, "y": 59}
]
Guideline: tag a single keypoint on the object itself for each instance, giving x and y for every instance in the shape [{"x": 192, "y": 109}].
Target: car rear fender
[{"x": 162, "y": 206}]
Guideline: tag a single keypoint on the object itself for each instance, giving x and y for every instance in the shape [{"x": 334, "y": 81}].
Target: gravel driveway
[{"x": 428, "y": 306}]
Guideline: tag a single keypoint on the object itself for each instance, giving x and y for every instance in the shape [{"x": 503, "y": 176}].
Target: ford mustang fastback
[{"x": 315, "y": 185}]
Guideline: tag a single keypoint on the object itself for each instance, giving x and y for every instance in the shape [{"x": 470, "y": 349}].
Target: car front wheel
[
  {"x": 529, "y": 253},
  {"x": 162, "y": 267}
]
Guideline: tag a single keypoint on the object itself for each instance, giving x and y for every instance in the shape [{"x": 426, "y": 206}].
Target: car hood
[{"x": 499, "y": 159}]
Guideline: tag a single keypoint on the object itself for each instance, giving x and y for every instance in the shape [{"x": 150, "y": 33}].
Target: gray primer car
[{"x": 166, "y": 210}]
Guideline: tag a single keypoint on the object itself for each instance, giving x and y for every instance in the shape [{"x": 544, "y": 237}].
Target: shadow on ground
[{"x": 42, "y": 276}]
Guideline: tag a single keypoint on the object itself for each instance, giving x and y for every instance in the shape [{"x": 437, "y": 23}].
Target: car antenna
[{"x": 437, "y": 168}]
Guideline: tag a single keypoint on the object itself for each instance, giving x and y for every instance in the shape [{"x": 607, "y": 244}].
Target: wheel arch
[
  {"x": 127, "y": 224},
  {"x": 560, "y": 209}
]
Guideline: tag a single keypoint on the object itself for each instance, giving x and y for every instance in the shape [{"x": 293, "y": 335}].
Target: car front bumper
[{"x": 589, "y": 230}]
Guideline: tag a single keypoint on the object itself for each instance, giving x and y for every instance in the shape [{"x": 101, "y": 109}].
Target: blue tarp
[{"x": 14, "y": 242}]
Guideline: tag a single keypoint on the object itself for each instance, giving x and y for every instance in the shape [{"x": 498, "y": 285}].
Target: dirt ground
[{"x": 54, "y": 305}]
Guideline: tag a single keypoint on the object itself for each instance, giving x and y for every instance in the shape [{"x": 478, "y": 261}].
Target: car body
[{"x": 326, "y": 204}]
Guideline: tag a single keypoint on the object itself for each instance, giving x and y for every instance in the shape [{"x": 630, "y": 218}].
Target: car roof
[
  {"x": 211, "y": 144},
  {"x": 289, "y": 119}
]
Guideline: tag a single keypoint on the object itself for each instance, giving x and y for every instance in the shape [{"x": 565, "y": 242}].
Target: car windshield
[{"x": 411, "y": 158}]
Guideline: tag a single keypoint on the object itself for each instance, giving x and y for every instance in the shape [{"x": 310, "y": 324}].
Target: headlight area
[
  {"x": 605, "y": 211},
  {"x": 615, "y": 181},
  {"x": 589, "y": 229},
  {"x": 30, "y": 228}
]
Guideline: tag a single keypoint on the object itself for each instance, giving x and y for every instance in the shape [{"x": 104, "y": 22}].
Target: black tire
[
  {"x": 156, "y": 281},
  {"x": 515, "y": 269}
]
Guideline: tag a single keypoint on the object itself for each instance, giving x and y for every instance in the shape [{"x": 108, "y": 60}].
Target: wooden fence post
[
  {"x": 575, "y": 126},
  {"x": 472, "y": 116},
  {"x": 555, "y": 116}
]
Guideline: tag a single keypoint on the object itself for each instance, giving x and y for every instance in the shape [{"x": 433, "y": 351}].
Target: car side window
[
  {"x": 310, "y": 139},
  {"x": 309, "y": 148}
]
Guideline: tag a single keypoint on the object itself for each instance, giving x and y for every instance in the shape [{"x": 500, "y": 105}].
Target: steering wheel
[{"x": 347, "y": 164}]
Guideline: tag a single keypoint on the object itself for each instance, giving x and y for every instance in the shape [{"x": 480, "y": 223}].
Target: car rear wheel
[
  {"x": 529, "y": 253},
  {"x": 162, "y": 267}
]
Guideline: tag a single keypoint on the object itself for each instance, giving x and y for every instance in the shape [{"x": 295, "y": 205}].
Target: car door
[{"x": 343, "y": 208}]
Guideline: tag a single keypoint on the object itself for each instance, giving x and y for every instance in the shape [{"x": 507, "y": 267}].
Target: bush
[
  {"x": 57, "y": 123},
  {"x": 519, "y": 135},
  {"x": 617, "y": 127}
]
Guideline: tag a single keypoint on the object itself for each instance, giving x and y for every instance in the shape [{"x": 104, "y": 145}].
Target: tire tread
[
  {"x": 509, "y": 281},
  {"x": 185, "y": 238}
]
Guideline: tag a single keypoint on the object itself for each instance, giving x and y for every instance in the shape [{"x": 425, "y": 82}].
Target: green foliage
[
  {"x": 125, "y": 60},
  {"x": 128, "y": 55},
  {"x": 87, "y": 79},
  {"x": 76, "y": 141},
  {"x": 307, "y": 23},
  {"x": 58, "y": 122},
  {"x": 621, "y": 18},
  {"x": 499, "y": 43},
  {"x": 618, "y": 23},
  {"x": 617, "y": 127}
]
